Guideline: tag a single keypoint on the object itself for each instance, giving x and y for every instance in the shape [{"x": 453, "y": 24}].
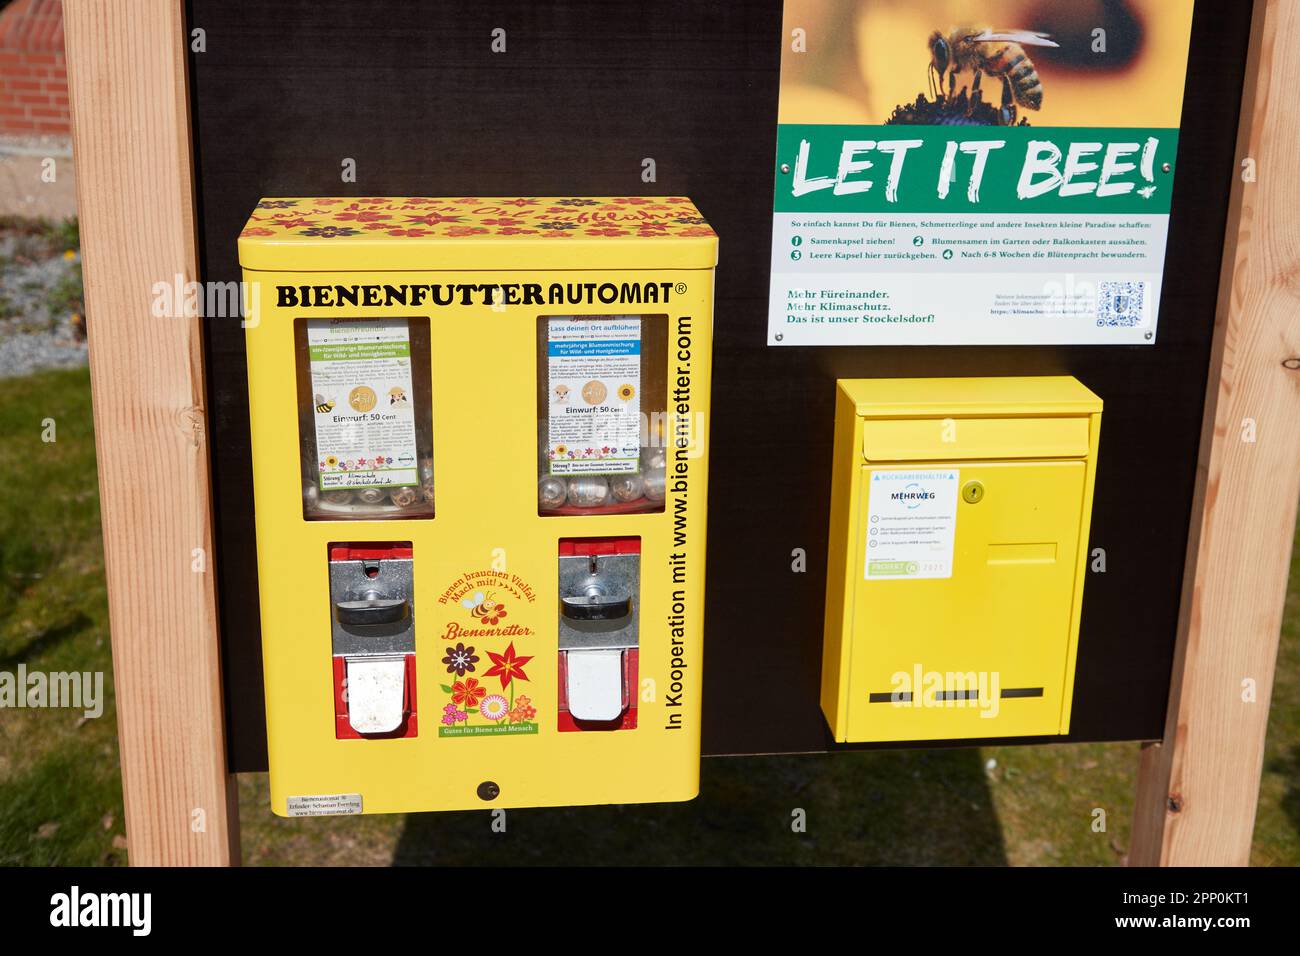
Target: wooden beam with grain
[
  {"x": 127, "y": 82},
  {"x": 1199, "y": 787}
]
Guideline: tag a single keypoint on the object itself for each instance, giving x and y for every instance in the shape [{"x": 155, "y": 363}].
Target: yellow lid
[
  {"x": 1003, "y": 396},
  {"x": 423, "y": 234}
]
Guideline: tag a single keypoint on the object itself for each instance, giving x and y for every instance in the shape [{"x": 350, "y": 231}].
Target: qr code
[{"x": 1120, "y": 303}]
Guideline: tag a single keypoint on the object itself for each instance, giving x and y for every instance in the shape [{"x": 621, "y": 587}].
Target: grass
[
  {"x": 60, "y": 787},
  {"x": 60, "y": 796}
]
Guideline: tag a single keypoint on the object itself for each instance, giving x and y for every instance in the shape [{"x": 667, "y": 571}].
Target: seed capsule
[
  {"x": 627, "y": 487},
  {"x": 588, "y": 491},
  {"x": 551, "y": 492}
]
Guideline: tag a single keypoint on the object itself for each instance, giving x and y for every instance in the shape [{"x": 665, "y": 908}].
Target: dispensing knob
[{"x": 371, "y": 609}]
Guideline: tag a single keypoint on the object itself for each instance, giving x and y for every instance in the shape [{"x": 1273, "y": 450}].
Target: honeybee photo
[{"x": 1102, "y": 63}]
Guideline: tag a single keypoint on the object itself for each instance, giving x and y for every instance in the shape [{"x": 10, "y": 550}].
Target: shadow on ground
[{"x": 873, "y": 808}]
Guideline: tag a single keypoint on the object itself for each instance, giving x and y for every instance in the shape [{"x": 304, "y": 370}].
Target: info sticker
[
  {"x": 911, "y": 524},
  {"x": 594, "y": 381}
]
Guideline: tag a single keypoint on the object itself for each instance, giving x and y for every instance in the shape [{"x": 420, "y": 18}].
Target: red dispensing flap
[
  {"x": 586, "y": 547},
  {"x": 370, "y": 550},
  {"x": 343, "y": 729}
]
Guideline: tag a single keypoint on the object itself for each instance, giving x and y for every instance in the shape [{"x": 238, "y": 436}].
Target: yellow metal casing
[
  {"x": 960, "y": 510},
  {"x": 652, "y": 256}
]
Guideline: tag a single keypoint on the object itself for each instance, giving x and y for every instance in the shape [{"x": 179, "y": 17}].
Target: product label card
[
  {"x": 361, "y": 384},
  {"x": 1000, "y": 179},
  {"x": 594, "y": 382},
  {"x": 911, "y": 524}
]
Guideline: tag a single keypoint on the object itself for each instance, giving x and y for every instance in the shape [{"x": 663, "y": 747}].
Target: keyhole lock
[{"x": 972, "y": 492}]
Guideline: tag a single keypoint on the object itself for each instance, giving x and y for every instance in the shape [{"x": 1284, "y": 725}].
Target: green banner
[
  {"x": 965, "y": 169},
  {"x": 351, "y": 351}
]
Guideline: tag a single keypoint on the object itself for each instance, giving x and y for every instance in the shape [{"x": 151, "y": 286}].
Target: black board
[{"x": 287, "y": 89}]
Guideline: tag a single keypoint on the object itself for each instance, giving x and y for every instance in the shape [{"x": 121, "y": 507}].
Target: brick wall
[{"x": 33, "y": 84}]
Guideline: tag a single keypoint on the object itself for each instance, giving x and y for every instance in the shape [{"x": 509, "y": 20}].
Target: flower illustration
[
  {"x": 330, "y": 232},
  {"x": 607, "y": 231},
  {"x": 460, "y": 659},
  {"x": 626, "y": 391},
  {"x": 697, "y": 231},
  {"x": 512, "y": 231},
  {"x": 331, "y": 461},
  {"x": 502, "y": 221},
  {"x": 433, "y": 218},
  {"x": 277, "y": 203},
  {"x": 457, "y": 231},
  {"x": 365, "y": 216},
  {"x": 523, "y": 710},
  {"x": 507, "y": 666},
  {"x": 576, "y": 202},
  {"x": 258, "y": 231},
  {"x": 557, "y": 225},
  {"x": 451, "y": 716},
  {"x": 410, "y": 233},
  {"x": 468, "y": 692},
  {"x": 494, "y": 707},
  {"x": 293, "y": 222}
]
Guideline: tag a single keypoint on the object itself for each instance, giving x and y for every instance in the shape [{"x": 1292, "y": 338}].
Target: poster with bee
[{"x": 992, "y": 172}]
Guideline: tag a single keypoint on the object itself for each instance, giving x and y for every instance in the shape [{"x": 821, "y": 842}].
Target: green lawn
[
  {"x": 60, "y": 787},
  {"x": 60, "y": 796}
]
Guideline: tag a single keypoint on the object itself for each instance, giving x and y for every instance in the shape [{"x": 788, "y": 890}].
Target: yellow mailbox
[
  {"x": 480, "y": 481},
  {"x": 958, "y": 550}
]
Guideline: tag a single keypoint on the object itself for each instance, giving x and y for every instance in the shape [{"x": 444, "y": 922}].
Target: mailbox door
[{"x": 982, "y": 652}]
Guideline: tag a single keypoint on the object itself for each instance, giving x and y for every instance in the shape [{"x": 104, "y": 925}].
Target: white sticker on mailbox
[
  {"x": 323, "y": 805},
  {"x": 911, "y": 524}
]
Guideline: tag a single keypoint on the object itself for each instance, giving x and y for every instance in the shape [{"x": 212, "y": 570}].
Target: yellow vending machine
[
  {"x": 958, "y": 550},
  {"x": 480, "y": 474}
]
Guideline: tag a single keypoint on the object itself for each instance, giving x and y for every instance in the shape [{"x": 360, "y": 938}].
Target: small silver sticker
[{"x": 324, "y": 805}]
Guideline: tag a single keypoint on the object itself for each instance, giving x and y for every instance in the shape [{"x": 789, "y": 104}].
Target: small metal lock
[{"x": 972, "y": 492}]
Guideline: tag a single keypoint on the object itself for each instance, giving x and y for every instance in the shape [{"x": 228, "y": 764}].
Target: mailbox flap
[{"x": 936, "y": 439}]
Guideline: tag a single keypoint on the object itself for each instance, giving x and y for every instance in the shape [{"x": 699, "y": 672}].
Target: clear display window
[
  {"x": 364, "y": 418},
  {"x": 602, "y": 397}
]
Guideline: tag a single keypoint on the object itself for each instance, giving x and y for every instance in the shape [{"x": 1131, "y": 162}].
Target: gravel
[
  {"x": 35, "y": 332},
  {"x": 22, "y": 353}
]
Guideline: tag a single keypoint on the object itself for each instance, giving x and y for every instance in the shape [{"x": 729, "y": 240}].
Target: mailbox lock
[{"x": 972, "y": 492}]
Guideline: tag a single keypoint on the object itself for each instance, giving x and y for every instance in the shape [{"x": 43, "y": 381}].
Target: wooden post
[
  {"x": 135, "y": 193},
  {"x": 1199, "y": 787}
]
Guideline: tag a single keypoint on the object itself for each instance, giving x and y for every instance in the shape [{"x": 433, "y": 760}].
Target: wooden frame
[
  {"x": 1198, "y": 788},
  {"x": 127, "y": 65},
  {"x": 135, "y": 196}
]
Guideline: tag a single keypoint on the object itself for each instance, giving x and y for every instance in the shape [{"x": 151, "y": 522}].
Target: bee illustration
[
  {"x": 484, "y": 607},
  {"x": 999, "y": 55},
  {"x": 324, "y": 405}
]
